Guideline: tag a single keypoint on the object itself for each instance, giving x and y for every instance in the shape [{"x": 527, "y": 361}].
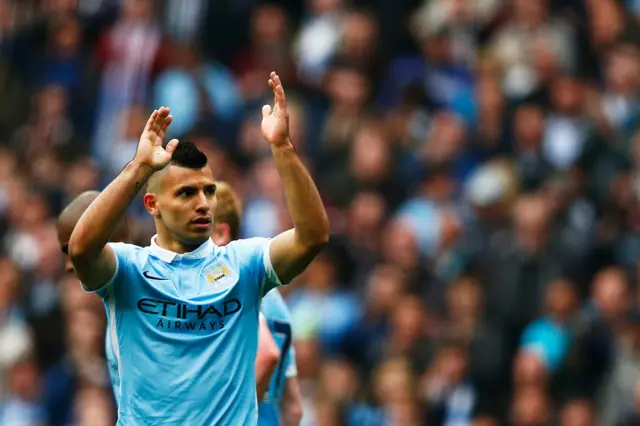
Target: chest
[
  {"x": 189, "y": 281},
  {"x": 196, "y": 299}
]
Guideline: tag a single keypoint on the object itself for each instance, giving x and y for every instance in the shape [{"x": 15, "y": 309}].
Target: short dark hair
[{"x": 188, "y": 155}]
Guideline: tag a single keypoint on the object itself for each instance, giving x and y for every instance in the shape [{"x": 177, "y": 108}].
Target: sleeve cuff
[{"x": 270, "y": 273}]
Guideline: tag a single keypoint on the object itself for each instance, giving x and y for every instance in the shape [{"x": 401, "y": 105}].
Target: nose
[{"x": 203, "y": 204}]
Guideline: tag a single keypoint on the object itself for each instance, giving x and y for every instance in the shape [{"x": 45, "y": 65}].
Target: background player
[
  {"x": 70, "y": 216},
  {"x": 183, "y": 313},
  {"x": 226, "y": 229},
  {"x": 66, "y": 222},
  {"x": 281, "y": 405}
]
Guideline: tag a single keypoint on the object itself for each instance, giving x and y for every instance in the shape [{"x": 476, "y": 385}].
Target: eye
[
  {"x": 210, "y": 190},
  {"x": 186, "y": 192}
]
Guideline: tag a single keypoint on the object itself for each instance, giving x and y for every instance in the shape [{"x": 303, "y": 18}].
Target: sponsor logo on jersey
[{"x": 183, "y": 316}]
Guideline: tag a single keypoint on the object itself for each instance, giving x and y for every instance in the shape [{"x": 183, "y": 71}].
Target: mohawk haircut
[
  {"x": 186, "y": 155},
  {"x": 229, "y": 209}
]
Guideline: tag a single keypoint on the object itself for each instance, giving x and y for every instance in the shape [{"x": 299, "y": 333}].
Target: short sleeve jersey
[{"x": 183, "y": 332}]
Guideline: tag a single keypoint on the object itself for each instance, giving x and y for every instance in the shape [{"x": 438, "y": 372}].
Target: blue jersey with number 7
[{"x": 278, "y": 319}]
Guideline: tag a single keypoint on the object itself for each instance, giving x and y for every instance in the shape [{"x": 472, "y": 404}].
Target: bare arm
[
  {"x": 93, "y": 260},
  {"x": 291, "y": 404},
  {"x": 266, "y": 359},
  {"x": 293, "y": 250}
]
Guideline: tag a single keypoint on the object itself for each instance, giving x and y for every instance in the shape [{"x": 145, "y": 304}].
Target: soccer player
[
  {"x": 183, "y": 312},
  {"x": 268, "y": 351},
  {"x": 281, "y": 405}
]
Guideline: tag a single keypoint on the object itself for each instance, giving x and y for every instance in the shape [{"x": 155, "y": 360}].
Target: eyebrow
[
  {"x": 195, "y": 188},
  {"x": 185, "y": 188}
]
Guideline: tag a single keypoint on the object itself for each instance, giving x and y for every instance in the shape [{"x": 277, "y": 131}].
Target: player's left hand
[{"x": 275, "y": 120}]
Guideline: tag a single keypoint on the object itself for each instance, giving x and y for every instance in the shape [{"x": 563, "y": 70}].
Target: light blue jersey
[
  {"x": 278, "y": 319},
  {"x": 183, "y": 332}
]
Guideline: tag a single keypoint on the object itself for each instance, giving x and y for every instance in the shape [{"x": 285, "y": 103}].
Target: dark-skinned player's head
[
  {"x": 70, "y": 216},
  {"x": 182, "y": 197},
  {"x": 228, "y": 215}
]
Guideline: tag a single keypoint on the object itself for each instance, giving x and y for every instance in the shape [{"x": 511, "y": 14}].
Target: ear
[
  {"x": 151, "y": 204},
  {"x": 221, "y": 234}
]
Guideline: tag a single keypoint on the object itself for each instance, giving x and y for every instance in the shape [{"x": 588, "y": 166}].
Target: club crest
[{"x": 219, "y": 276}]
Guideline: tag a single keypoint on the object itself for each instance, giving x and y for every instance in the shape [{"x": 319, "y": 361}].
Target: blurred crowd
[{"x": 479, "y": 161}]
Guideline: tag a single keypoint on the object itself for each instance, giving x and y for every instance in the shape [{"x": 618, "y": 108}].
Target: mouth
[{"x": 202, "y": 222}]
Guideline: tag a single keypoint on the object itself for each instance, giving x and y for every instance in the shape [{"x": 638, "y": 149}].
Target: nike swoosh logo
[{"x": 151, "y": 277}]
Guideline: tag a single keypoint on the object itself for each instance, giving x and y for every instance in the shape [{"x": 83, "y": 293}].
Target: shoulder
[
  {"x": 247, "y": 251},
  {"x": 128, "y": 254},
  {"x": 125, "y": 248},
  {"x": 127, "y": 257},
  {"x": 252, "y": 256},
  {"x": 248, "y": 245}
]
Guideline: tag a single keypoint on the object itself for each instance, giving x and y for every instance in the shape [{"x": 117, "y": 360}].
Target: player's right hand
[{"x": 150, "y": 152}]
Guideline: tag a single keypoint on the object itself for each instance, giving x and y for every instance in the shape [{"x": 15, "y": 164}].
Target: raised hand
[
  {"x": 150, "y": 151},
  {"x": 275, "y": 120}
]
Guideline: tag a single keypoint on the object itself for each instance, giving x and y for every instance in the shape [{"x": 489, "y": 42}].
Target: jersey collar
[{"x": 169, "y": 256}]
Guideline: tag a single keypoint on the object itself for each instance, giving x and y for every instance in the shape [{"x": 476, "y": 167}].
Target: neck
[{"x": 168, "y": 241}]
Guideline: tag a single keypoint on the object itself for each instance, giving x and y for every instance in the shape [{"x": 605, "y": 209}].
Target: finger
[
  {"x": 281, "y": 98},
  {"x": 163, "y": 113},
  {"x": 266, "y": 111},
  {"x": 156, "y": 125},
  {"x": 164, "y": 126},
  {"x": 171, "y": 146},
  {"x": 167, "y": 122},
  {"x": 276, "y": 79},
  {"x": 151, "y": 120},
  {"x": 161, "y": 121},
  {"x": 272, "y": 85}
]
